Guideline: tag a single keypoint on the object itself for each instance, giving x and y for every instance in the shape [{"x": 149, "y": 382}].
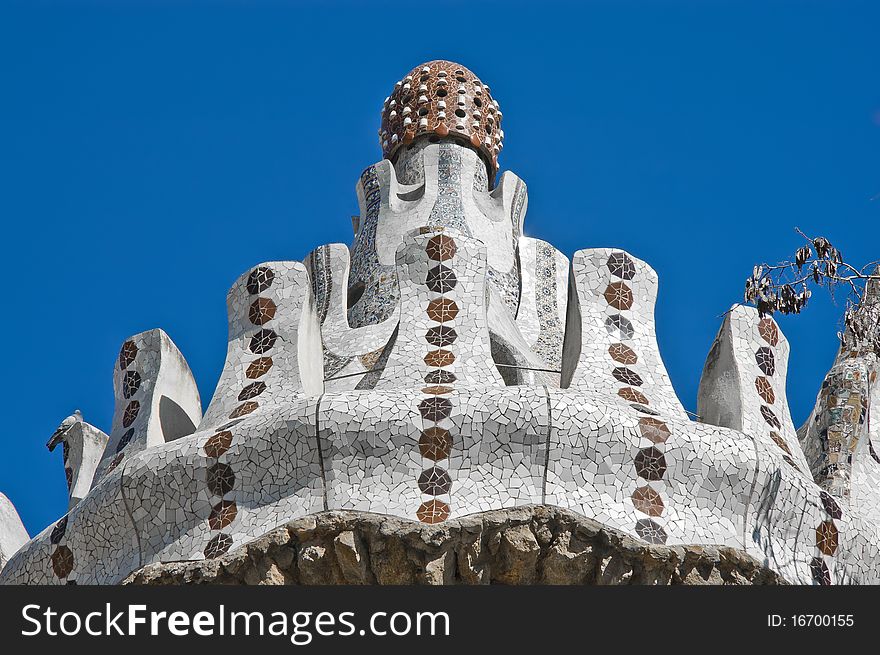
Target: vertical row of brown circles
[
  {"x": 650, "y": 462},
  {"x": 220, "y": 476},
  {"x": 435, "y": 441},
  {"x": 220, "y": 479},
  {"x": 827, "y": 539},
  {"x": 62, "y": 560},
  {"x": 765, "y": 358},
  {"x": 131, "y": 388},
  {"x": 261, "y": 312},
  {"x": 827, "y": 535}
]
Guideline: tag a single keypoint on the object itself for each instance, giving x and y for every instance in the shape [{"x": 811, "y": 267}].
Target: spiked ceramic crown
[{"x": 443, "y": 98}]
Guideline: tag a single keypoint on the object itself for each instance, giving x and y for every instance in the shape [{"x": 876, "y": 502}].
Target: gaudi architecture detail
[{"x": 445, "y": 364}]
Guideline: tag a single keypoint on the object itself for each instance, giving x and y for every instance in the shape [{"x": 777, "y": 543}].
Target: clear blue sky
[{"x": 148, "y": 156}]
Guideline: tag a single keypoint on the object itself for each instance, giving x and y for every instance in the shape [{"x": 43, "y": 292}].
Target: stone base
[{"x": 537, "y": 544}]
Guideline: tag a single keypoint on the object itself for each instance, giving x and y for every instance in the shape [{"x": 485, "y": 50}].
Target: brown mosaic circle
[
  {"x": 131, "y": 382},
  {"x": 632, "y": 395},
  {"x": 435, "y": 481},
  {"x": 218, "y": 443},
  {"x": 260, "y": 279},
  {"x": 62, "y": 561},
  {"x": 627, "y": 376},
  {"x": 58, "y": 532},
  {"x": 768, "y": 331},
  {"x": 262, "y": 341},
  {"x": 130, "y": 413},
  {"x": 765, "y": 389},
  {"x": 259, "y": 367},
  {"x": 127, "y": 355},
  {"x": 435, "y": 409},
  {"x": 125, "y": 439},
  {"x": 654, "y": 429},
  {"x": 435, "y": 443},
  {"x": 218, "y": 545},
  {"x": 441, "y": 335},
  {"x": 651, "y": 531},
  {"x": 770, "y": 417},
  {"x": 222, "y": 514},
  {"x": 221, "y": 479},
  {"x": 439, "y": 358},
  {"x": 433, "y": 511},
  {"x": 766, "y": 360},
  {"x": 826, "y": 538},
  {"x": 650, "y": 464},
  {"x": 441, "y": 279},
  {"x": 831, "y": 506},
  {"x": 779, "y": 441},
  {"x": 819, "y": 569},
  {"x": 437, "y": 390},
  {"x": 441, "y": 247},
  {"x": 619, "y": 295},
  {"x": 244, "y": 409},
  {"x": 252, "y": 390},
  {"x": 262, "y": 311},
  {"x": 116, "y": 461},
  {"x": 648, "y": 501},
  {"x": 623, "y": 354},
  {"x": 440, "y": 377},
  {"x": 442, "y": 310},
  {"x": 620, "y": 265}
]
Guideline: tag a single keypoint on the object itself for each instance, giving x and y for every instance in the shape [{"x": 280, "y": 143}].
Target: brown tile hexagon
[
  {"x": 768, "y": 331},
  {"x": 433, "y": 511},
  {"x": 619, "y": 295},
  {"x": 262, "y": 310},
  {"x": 435, "y": 443},
  {"x": 647, "y": 501},
  {"x": 441, "y": 247},
  {"x": 623, "y": 354},
  {"x": 442, "y": 310}
]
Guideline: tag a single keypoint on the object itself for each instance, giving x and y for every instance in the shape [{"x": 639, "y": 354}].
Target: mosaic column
[
  {"x": 274, "y": 351},
  {"x": 441, "y": 346},
  {"x": 610, "y": 328},
  {"x": 744, "y": 379}
]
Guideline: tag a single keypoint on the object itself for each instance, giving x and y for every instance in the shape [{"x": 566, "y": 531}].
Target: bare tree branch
[{"x": 786, "y": 287}]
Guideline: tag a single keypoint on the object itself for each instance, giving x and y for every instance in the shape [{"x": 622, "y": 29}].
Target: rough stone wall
[{"x": 537, "y": 544}]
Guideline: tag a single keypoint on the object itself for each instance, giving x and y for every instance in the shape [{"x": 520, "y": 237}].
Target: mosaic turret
[{"x": 445, "y": 364}]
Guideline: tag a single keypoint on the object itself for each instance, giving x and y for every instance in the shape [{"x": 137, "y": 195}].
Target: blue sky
[{"x": 150, "y": 153}]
